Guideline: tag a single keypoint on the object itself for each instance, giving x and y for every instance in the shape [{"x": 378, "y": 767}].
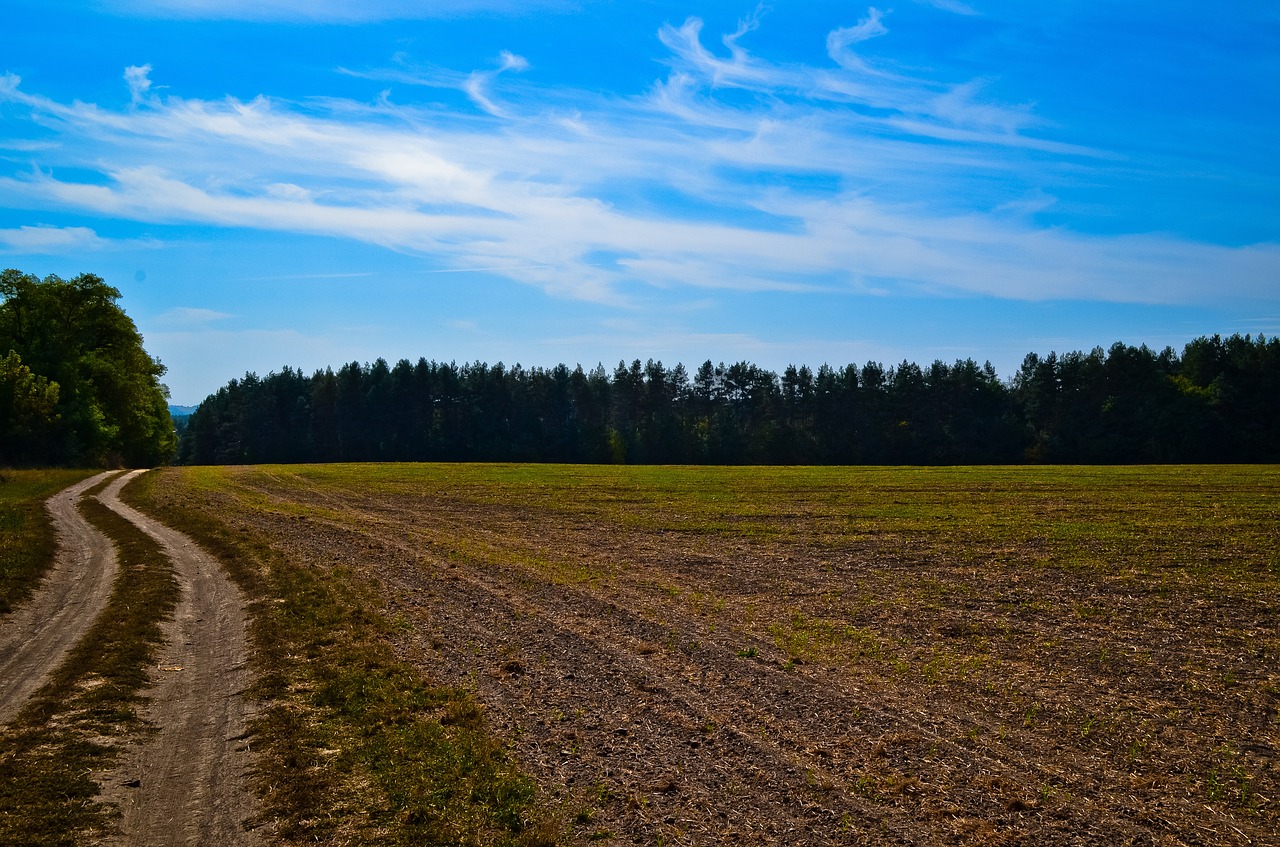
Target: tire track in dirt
[
  {"x": 699, "y": 749},
  {"x": 623, "y": 691},
  {"x": 40, "y": 633},
  {"x": 187, "y": 783},
  {"x": 706, "y": 746},
  {"x": 722, "y": 749}
]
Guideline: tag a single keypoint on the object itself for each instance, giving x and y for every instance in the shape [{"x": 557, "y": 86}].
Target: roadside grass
[
  {"x": 356, "y": 747},
  {"x": 74, "y": 725},
  {"x": 27, "y": 538}
]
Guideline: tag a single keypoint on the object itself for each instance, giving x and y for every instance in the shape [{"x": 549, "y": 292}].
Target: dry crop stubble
[{"x": 709, "y": 655}]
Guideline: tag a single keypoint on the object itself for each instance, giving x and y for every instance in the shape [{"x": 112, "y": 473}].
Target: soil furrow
[
  {"x": 598, "y": 692},
  {"x": 716, "y": 686}
]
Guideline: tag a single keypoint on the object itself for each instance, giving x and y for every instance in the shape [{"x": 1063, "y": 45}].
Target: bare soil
[
  {"x": 39, "y": 633},
  {"x": 712, "y": 688},
  {"x": 186, "y": 783}
]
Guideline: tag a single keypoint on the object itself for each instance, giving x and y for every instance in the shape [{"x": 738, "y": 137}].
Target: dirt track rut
[
  {"x": 643, "y": 677},
  {"x": 41, "y": 632},
  {"x": 186, "y": 784}
]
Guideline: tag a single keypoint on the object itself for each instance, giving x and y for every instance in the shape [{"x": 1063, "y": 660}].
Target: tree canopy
[
  {"x": 1218, "y": 401},
  {"x": 76, "y": 385}
]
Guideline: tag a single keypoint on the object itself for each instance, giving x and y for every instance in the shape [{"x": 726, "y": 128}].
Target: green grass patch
[
  {"x": 27, "y": 540},
  {"x": 1197, "y": 520},
  {"x": 75, "y": 723},
  {"x": 356, "y": 746},
  {"x": 803, "y": 637}
]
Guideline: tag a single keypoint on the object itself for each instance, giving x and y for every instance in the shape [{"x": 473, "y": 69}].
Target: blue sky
[{"x": 311, "y": 182}]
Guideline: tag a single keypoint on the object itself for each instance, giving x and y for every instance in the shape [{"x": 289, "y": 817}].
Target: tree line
[
  {"x": 76, "y": 386},
  {"x": 1219, "y": 401}
]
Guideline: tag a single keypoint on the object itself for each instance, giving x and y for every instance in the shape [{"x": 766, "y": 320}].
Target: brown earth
[
  {"x": 39, "y": 633},
  {"x": 686, "y": 688},
  {"x": 186, "y": 783}
]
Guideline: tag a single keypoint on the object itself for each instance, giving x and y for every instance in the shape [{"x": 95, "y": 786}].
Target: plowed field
[{"x": 829, "y": 656}]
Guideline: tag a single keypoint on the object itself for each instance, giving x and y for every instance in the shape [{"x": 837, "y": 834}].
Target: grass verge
[
  {"x": 26, "y": 535},
  {"x": 356, "y": 747},
  {"x": 73, "y": 725}
]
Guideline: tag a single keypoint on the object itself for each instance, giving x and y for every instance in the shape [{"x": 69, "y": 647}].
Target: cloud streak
[
  {"x": 52, "y": 240},
  {"x": 813, "y": 181},
  {"x": 840, "y": 40},
  {"x": 915, "y": 107},
  {"x": 183, "y": 317},
  {"x": 136, "y": 77},
  {"x": 954, "y": 6},
  {"x": 477, "y": 84}
]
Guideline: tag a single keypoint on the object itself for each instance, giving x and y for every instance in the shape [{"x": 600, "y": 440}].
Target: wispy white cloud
[
  {"x": 23, "y": 145},
  {"x": 501, "y": 269},
  {"x": 542, "y": 183},
  {"x": 137, "y": 78},
  {"x": 284, "y": 277},
  {"x": 477, "y": 84},
  {"x": 746, "y": 25},
  {"x": 189, "y": 317},
  {"x": 954, "y": 6},
  {"x": 741, "y": 68},
  {"x": 288, "y": 191},
  {"x": 920, "y": 107},
  {"x": 48, "y": 239},
  {"x": 404, "y": 70},
  {"x": 51, "y": 240},
  {"x": 841, "y": 39}
]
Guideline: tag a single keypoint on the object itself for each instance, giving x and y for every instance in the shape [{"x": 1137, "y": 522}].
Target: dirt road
[
  {"x": 41, "y": 632},
  {"x": 187, "y": 783}
]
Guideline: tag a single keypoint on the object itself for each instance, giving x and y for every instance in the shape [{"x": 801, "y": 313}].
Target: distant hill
[{"x": 181, "y": 411}]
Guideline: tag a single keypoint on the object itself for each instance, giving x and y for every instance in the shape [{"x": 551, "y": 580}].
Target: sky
[{"x": 314, "y": 182}]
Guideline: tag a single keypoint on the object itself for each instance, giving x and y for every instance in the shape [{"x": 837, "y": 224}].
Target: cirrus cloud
[
  {"x": 822, "y": 178},
  {"x": 51, "y": 240}
]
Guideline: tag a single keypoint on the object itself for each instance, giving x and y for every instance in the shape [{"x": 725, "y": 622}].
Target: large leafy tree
[
  {"x": 28, "y": 411},
  {"x": 79, "y": 387}
]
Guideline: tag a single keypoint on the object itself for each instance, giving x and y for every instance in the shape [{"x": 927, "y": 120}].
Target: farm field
[{"x": 796, "y": 655}]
